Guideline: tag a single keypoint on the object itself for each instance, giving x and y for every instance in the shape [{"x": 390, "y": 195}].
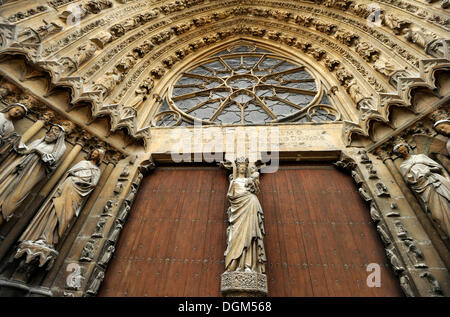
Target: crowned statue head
[{"x": 241, "y": 166}]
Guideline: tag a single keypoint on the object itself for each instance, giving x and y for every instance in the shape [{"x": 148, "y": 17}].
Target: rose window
[{"x": 244, "y": 84}]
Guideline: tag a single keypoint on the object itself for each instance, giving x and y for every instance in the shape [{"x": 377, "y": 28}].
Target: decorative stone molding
[
  {"x": 243, "y": 284},
  {"x": 36, "y": 250},
  {"x": 133, "y": 24},
  {"x": 403, "y": 251}
]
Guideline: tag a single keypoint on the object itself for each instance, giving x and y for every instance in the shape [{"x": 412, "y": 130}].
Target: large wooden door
[
  {"x": 319, "y": 236},
  {"x": 174, "y": 238}
]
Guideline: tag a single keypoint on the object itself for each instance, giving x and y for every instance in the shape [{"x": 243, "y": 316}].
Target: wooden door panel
[
  {"x": 321, "y": 235},
  {"x": 174, "y": 239}
]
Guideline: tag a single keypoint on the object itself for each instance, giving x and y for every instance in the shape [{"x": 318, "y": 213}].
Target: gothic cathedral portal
[{"x": 206, "y": 148}]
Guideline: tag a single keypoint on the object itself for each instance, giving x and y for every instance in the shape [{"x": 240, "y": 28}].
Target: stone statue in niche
[
  {"x": 57, "y": 213},
  {"x": 354, "y": 91},
  {"x": 116, "y": 232},
  {"x": 245, "y": 249},
  {"x": 95, "y": 6},
  {"x": 108, "y": 207},
  {"x": 106, "y": 84},
  {"x": 142, "y": 93},
  {"x": 430, "y": 181},
  {"x": 107, "y": 255},
  {"x": 124, "y": 213},
  {"x": 419, "y": 36},
  {"x": 415, "y": 254},
  {"x": 384, "y": 67},
  {"x": 381, "y": 190},
  {"x": 95, "y": 285},
  {"x": 406, "y": 286},
  {"x": 22, "y": 171},
  {"x": 99, "y": 227},
  {"x": 395, "y": 23},
  {"x": 84, "y": 53},
  {"x": 88, "y": 252},
  {"x": 442, "y": 126},
  {"x": 102, "y": 38},
  {"x": 395, "y": 262},
  {"x": 11, "y": 113},
  {"x": 9, "y": 138}
]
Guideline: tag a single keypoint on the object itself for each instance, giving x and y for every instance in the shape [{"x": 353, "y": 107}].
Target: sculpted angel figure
[
  {"x": 419, "y": 36},
  {"x": 108, "y": 82},
  {"x": 8, "y": 136},
  {"x": 430, "y": 181},
  {"x": 141, "y": 93},
  {"x": 57, "y": 213},
  {"x": 21, "y": 172},
  {"x": 84, "y": 53},
  {"x": 245, "y": 249}
]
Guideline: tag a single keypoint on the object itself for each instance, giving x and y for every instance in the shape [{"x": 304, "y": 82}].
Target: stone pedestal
[
  {"x": 37, "y": 250},
  {"x": 243, "y": 284}
]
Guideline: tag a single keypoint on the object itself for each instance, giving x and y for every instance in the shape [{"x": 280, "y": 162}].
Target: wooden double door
[{"x": 319, "y": 236}]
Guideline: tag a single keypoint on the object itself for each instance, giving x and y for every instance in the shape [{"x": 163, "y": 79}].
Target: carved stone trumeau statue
[
  {"x": 245, "y": 233},
  {"x": 430, "y": 181},
  {"x": 8, "y": 136},
  {"x": 22, "y": 171},
  {"x": 245, "y": 256},
  {"x": 56, "y": 215}
]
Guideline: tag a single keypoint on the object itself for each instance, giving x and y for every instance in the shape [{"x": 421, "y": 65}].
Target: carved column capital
[
  {"x": 383, "y": 154},
  {"x": 47, "y": 116},
  {"x": 346, "y": 162}
]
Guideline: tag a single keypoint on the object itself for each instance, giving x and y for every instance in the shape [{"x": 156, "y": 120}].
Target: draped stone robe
[
  {"x": 20, "y": 173},
  {"x": 434, "y": 189},
  {"x": 245, "y": 233},
  {"x": 8, "y": 137},
  {"x": 55, "y": 216},
  {"x": 6, "y": 126}
]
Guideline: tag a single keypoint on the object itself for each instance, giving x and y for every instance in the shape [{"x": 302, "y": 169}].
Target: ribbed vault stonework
[{"x": 110, "y": 66}]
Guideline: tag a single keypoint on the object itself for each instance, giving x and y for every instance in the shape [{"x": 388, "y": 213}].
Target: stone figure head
[
  {"x": 241, "y": 166},
  {"x": 16, "y": 111},
  {"x": 402, "y": 149},
  {"x": 443, "y": 127},
  {"x": 441, "y": 121},
  {"x": 68, "y": 126},
  {"x": 53, "y": 134},
  {"x": 97, "y": 155}
]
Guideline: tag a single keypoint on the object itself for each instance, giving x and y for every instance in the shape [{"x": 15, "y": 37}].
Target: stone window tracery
[{"x": 244, "y": 85}]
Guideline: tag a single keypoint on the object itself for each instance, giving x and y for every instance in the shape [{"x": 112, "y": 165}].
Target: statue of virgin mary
[{"x": 245, "y": 248}]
